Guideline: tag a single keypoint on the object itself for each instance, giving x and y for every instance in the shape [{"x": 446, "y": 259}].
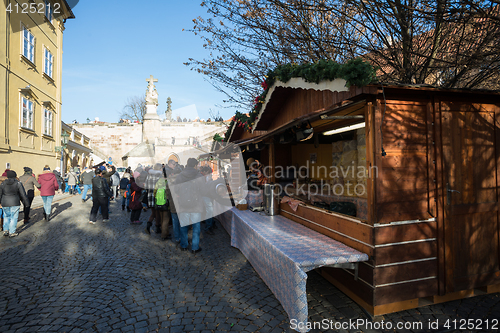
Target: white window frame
[
  {"x": 48, "y": 124},
  {"x": 28, "y": 46},
  {"x": 49, "y": 11},
  {"x": 27, "y": 113},
  {"x": 48, "y": 62}
]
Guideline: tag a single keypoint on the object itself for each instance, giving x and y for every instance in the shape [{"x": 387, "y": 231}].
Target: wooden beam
[
  {"x": 431, "y": 156},
  {"x": 442, "y": 286},
  {"x": 370, "y": 161},
  {"x": 395, "y": 307},
  {"x": 341, "y": 117},
  {"x": 272, "y": 162},
  {"x": 378, "y": 109},
  {"x": 345, "y": 229},
  {"x": 497, "y": 163}
]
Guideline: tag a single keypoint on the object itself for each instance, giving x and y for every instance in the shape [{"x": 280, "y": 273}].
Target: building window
[
  {"x": 27, "y": 121},
  {"x": 29, "y": 45},
  {"x": 48, "y": 62},
  {"x": 47, "y": 122},
  {"x": 48, "y": 10}
]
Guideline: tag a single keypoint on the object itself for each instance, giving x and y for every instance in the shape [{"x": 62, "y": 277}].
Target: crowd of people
[
  {"x": 14, "y": 190},
  {"x": 176, "y": 195},
  {"x": 152, "y": 189}
]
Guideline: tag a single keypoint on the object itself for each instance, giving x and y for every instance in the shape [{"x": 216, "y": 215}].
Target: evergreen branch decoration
[
  {"x": 356, "y": 72},
  {"x": 239, "y": 120},
  {"x": 218, "y": 138}
]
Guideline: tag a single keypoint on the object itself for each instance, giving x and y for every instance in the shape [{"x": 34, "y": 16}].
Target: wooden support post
[
  {"x": 370, "y": 161},
  {"x": 442, "y": 283},
  {"x": 272, "y": 163},
  {"x": 378, "y": 112}
]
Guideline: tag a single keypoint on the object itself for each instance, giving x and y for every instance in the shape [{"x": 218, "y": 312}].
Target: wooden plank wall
[
  {"x": 402, "y": 184},
  {"x": 405, "y": 262},
  {"x": 299, "y": 103},
  {"x": 406, "y": 253}
]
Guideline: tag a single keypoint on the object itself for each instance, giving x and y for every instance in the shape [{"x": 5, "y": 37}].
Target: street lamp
[{"x": 64, "y": 141}]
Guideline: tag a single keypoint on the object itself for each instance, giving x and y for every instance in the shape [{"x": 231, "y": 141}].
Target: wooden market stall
[{"x": 428, "y": 218}]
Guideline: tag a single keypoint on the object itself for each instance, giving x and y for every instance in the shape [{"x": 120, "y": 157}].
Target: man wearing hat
[
  {"x": 11, "y": 194},
  {"x": 86, "y": 178},
  {"x": 29, "y": 182}
]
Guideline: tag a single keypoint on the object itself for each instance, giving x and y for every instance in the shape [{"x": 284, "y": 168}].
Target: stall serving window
[{"x": 323, "y": 163}]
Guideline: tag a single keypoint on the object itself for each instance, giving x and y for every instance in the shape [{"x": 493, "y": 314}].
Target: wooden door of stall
[{"x": 469, "y": 148}]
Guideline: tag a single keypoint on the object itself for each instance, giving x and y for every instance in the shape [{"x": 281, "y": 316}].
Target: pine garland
[
  {"x": 218, "y": 138},
  {"x": 239, "y": 120}
]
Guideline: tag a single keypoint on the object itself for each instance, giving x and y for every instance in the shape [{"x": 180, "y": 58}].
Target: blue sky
[{"x": 112, "y": 47}]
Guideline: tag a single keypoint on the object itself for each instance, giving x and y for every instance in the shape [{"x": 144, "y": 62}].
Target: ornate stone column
[{"x": 151, "y": 122}]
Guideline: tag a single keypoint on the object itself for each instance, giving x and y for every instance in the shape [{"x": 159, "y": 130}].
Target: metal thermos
[{"x": 271, "y": 199}]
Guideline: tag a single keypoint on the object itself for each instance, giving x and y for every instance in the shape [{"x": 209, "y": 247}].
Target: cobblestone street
[{"x": 67, "y": 275}]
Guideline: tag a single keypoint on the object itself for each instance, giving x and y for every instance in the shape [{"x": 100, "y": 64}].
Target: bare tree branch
[
  {"x": 134, "y": 109},
  {"x": 448, "y": 43}
]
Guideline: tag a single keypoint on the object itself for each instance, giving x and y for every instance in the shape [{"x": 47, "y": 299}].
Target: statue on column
[
  {"x": 151, "y": 126},
  {"x": 151, "y": 93},
  {"x": 168, "y": 113}
]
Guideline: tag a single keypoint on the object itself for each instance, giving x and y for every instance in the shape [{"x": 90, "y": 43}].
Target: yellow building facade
[
  {"x": 31, "y": 39},
  {"x": 77, "y": 152}
]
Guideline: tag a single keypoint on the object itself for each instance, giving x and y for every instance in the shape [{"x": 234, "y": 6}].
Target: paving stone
[
  {"x": 177, "y": 329},
  {"x": 141, "y": 324}
]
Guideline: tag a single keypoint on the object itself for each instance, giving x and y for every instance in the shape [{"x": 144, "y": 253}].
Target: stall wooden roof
[
  {"x": 287, "y": 103},
  {"x": 346, "y": 108}
]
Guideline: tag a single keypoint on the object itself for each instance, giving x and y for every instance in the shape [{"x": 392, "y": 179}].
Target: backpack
[
  {"x": 115, "y": 179},
  {"x": 123, "y": 183},
  {"x": 188, "y": 194},
  {"x": 144, "y": 197},
  {"x": 161, "y": 196}
]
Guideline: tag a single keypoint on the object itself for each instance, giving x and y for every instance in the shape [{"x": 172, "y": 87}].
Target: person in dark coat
[
  {"x": 60, "y": 181},
  {"x": 141, "y": 179},
  {"x": 176, "y": 227},
  {"x": 29, "y": 182},
  {"x": 153, "y": 176},
  {"x": 189, "y": 181},
  {"x": 108, "y": 172},
  {"x": 135, "y": 203},
  {"x": 11, "y": 194},
  {"x": 2, "y": 179},
  {"x": 100, "y": 197},
  {"x": 170, "y": 167}
]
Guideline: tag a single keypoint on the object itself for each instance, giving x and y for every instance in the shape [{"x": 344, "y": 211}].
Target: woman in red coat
[{"x": 49, "y": 187}]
